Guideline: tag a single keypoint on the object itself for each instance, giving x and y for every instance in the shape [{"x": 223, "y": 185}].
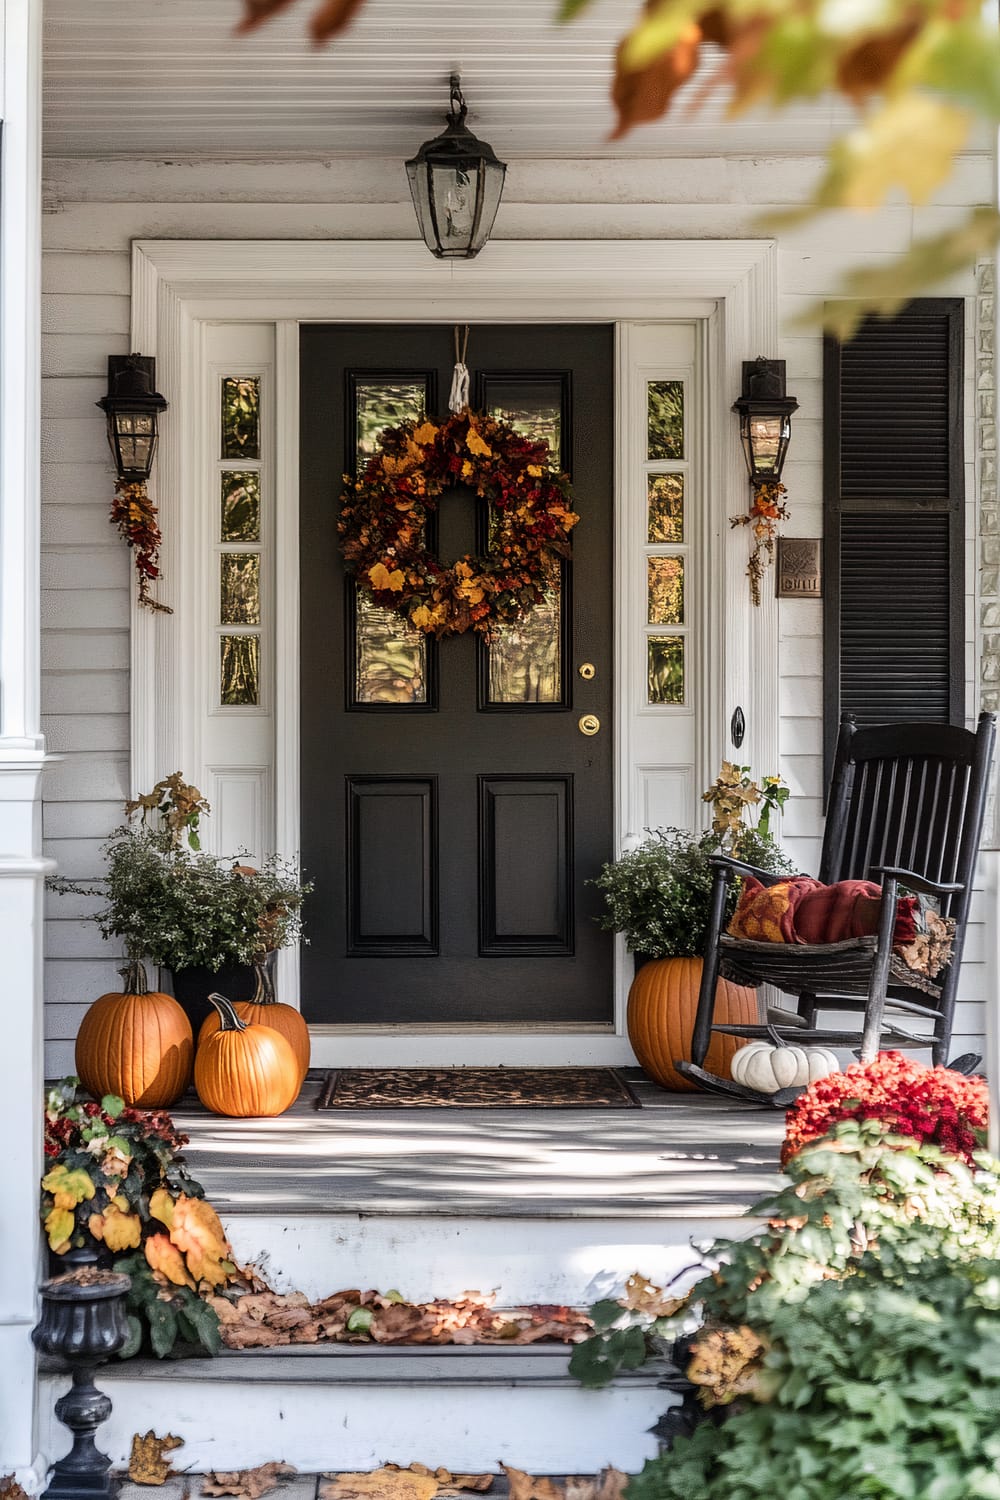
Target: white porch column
[{"x": 22, "y": 869}]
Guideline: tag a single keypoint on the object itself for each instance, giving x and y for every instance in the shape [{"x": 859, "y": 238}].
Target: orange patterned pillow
[{"x": 765, "y": 913}]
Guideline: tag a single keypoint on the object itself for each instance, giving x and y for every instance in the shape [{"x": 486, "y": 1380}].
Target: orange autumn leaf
[
  {"x": 425, "y": 434},
  {"x": 168, "y": 1260},
  {"x": 258, "y": 11},
  {"x": 475, "y": 444},
  {"x": 197, "y": 1230},
  {"x": 644, "y": 94},
  {"x": 118, "y": 1230},
  {"x": 161, "y": 1206},
  {"x": 381, "y": 578}
]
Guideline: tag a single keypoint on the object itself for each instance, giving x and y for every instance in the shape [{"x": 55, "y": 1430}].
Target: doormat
[{"x": 476, "y": 1088}]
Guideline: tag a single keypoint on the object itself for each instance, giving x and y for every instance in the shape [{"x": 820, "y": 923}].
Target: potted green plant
[
  {"x": 116, "y": 1194},
  {"x": 658, "y": 896},
  {"x": 209, "y": 920}
]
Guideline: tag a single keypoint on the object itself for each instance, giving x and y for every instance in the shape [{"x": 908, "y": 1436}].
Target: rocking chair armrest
[
  {"x": 733, "y": 867},
  {"x": 915, "y": 882}
]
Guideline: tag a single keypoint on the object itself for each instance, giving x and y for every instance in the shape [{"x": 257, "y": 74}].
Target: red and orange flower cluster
[
  {"x": 926, "y": 1104},
  {"x": 385, "y": 517},
  {"x": 767, "y": 508}
]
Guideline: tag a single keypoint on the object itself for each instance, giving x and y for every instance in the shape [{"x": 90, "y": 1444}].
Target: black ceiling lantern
[
  {"x": 456, "y": 182},
  {"x": 132, "y": 406},
  {"x": 765, "y": 418}
]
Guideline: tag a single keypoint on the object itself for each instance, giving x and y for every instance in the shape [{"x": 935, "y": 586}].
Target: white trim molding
[
  {"x": 180, "y": 286},
  {"x": 22, "y": 748}
]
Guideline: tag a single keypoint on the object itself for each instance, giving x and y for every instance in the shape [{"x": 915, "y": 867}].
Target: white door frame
[{"x": 180, "y": 285}]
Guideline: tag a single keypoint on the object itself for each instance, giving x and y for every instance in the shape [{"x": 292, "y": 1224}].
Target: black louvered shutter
[{"x": 894, "y": 528}]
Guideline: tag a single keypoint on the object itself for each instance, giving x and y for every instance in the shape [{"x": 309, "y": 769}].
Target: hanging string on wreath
[
  {"x": 459, "y": 398},
  {"x": 385, "y": 511},
  {"x": 135, "y": 516}
]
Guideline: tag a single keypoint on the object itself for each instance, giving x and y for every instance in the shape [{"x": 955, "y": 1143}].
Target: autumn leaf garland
[
  {"x": 135, "y": 516},
  {"x": 385, "y": 515}
]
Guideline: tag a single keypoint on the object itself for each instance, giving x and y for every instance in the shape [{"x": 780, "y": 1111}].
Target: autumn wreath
[{"x": 385, "y": 513}]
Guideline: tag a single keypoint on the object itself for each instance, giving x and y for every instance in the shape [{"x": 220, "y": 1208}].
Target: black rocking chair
[{"x": 906, "y": 809}]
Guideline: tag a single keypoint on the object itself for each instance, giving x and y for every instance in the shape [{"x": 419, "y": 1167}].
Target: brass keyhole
[
  {"x": 587, "y": 671},
  {"x": 589, "y": 724}
]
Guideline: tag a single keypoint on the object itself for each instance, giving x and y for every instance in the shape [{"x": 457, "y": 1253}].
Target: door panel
[{"x": 452, "y": 810}]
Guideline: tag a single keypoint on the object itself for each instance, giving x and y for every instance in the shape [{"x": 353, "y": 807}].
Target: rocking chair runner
[{"x": 906, "y": 809}]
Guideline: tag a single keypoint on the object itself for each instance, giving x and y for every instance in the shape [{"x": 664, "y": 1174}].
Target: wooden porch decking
[{"x": 682, "y": 1156}]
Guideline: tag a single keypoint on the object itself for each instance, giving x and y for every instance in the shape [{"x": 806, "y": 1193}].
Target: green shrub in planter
[{"x": 852, "y": 1344}]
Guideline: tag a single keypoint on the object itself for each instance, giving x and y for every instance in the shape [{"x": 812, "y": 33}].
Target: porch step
[{"x": 346, "y": 1408}]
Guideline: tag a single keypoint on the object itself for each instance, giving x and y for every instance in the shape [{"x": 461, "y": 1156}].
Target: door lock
[
  {"x": 587, "y": 671},
  {"x": 589, "y": 724}
]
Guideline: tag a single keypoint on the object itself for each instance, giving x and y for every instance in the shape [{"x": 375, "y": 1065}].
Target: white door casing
[{"x": 689, "y": 309}]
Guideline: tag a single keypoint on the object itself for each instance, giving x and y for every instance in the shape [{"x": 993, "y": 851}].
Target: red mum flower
[{"x": 925, "y": 1104}]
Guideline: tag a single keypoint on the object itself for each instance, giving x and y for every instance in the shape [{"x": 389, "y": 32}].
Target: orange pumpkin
[
  {"x": 135, "y": 1043},
  {"x": 245, "y": 1070},
  {"x": 264, "y": 1010},
  {"x": 662, "y": 1005}
]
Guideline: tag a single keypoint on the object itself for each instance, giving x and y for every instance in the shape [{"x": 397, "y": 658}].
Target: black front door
[{"x": 453, "y": 809}]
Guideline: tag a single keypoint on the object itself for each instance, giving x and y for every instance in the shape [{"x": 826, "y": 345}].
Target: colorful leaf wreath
[{"x": 384, "y": 517}]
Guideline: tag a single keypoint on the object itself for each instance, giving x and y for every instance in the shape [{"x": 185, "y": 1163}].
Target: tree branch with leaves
[{"x": 921, "y": 74}]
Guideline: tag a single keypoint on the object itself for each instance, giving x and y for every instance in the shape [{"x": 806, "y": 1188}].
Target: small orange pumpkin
[
  {"x": 135, "y": 1043},
  {"x": 264, "y": 1010},
  {"x": 662, "y": 1005},
  {"x": 245, "y": 1070}
]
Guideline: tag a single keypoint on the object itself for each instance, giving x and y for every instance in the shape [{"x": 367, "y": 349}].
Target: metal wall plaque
[{"x": 799, "y": 574}]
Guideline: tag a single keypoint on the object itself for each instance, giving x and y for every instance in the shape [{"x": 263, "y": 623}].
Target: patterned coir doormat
[{"x": 476, "y": 1088}]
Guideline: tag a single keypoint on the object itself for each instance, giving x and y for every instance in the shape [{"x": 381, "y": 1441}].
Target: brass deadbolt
[
  {"x": 587, "y": 671},
  {"x": 589, "y": 724}
]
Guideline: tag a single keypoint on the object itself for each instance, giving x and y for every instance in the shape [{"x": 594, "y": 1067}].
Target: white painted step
[
  {"x": 572, "y": 1261},
  {"x": 355, "y": 1408}
]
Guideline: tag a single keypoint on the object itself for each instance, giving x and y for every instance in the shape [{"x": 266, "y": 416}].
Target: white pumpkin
[{"x": 768, "y": 1068}]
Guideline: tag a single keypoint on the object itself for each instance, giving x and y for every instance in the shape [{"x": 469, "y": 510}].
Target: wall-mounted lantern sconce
[
  {"x": 765, "y": 418},
  {"x": 456, "y": 182},
  {"x": 132, "y": 406}
]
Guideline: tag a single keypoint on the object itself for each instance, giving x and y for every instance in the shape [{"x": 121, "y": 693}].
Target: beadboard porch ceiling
[{"x": 168, "y": 78}]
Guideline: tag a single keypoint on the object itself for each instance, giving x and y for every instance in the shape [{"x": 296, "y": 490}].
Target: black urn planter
[
  {"x": 193, "y": 986},
  {"x": 84, "y": 1322},
  {"x": 82, "y": 1255}
]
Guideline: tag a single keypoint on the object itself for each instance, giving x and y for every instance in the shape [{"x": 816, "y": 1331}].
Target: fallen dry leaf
[
  {"x": 452, "y": 1484},
  {"x": 248, "y": 1484},
  {"x": 147, "y": 1463},
  {"x": 264, "y": 1320},
  {"x": 387, "y": 1483},
  {"x": 609, "y": 1485},
  {"x": 10, "y": 1489},
  {"x": 526, "y": 1487}
]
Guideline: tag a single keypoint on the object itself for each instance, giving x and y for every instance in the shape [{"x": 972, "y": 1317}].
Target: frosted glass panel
[
  {"x": 385, "y": 403},
  {"x": 240, "y": 506},
  {"x": 390, "y": 658},
  {"x": 241, "y": 416},
  {"x": 666, "y": 508},
  {"x": 525, "y": 662},
  {"x": 665, "y": 668},
  {"x": 239, "y": 588},
  {"x": 666, "y": 590},
  {"x": 665, "y": 419},
  {"x": 240, "y": 670},
  {"x": 532, "y": 407}
]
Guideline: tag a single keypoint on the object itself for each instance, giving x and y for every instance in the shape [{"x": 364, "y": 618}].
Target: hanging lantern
[
  {"x": 456, "y": 182},
  {"x": 765, "y": 418},
  {"x": 132, "y": 406}
]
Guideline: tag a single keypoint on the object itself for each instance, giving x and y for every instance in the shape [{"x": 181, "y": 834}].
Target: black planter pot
[
  {"x": 80, "y": 1256},
  {"x": 83, "y": 1325},
  {"x": 193, "y": 986}
]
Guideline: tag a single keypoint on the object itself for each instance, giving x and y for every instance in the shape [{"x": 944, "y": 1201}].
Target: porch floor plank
[{"x": 685, "y": 1156}]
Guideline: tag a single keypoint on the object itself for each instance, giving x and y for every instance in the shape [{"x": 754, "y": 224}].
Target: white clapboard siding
[{"x": 95, "y": 210}]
